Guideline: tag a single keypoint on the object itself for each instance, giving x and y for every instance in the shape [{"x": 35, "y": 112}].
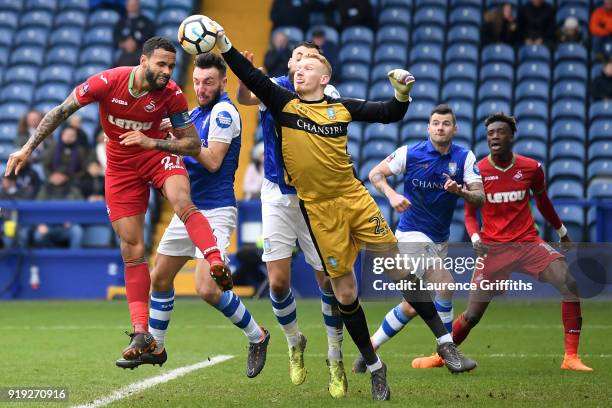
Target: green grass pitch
[{"x": 518, "y": 345}]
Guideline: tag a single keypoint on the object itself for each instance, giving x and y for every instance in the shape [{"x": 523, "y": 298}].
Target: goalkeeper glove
[
  {"x": 402, "y": 81},
  {"x": 223, "y": 43}
]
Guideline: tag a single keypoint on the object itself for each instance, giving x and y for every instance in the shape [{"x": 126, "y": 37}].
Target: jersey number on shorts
[
  {"x": 169, "y": 164},
  {"x": 379, "y": 228}
]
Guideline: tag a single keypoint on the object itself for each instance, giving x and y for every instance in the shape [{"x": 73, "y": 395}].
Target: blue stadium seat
[
  {"x": 357, "y": 34},
  {"x": 464, "y": 34},
  {"x": 566, "y": 189},
  {"x": 48, "y": 5},
  {"x": 569, "y": 169},
  {"x": 97, "y": 236},
  {"x": 396, "y": 4},
  {"x": 9, "y": 19},
  {"x": 533, "y": 70},
  {"x": 573, "y": 219},
  {"x": 331, "y": 34},
  {"x": 420, "y": 110},
  {"x": 364, "y": 169},
  {"x": 460, "y": 71},
  {"x": 565, "y": 71},
  {"x": 531, "y": 148},
  {"x": 184, "y": 4},
  {"x": 600, "y": 129},
  {"x": 426, "y": 53},
  {"x": 491, "y": 106},
  {"x": 569, "y": 108},
  {"x": 6, "y": 148},
  {"x": 354, "y": 72},
  {"x": 174, "y": 16},
  {"x": 169, "y": 31},
  {"x": 531, "y": 108},
  {"x": 600, "y": 189},
  {"x": 592, "y": 224},
  {"x": 380, "y": 131},
  {"x": 20, "y": 73},
  {"x": 33, "y": 36},
  {"x": 457, "y": 232},
  {"x": 396, "y": 16},
  {"x": 56, "y": 73},
  {"x": 567, "y": 149},
  {"x": 580, "y": 11},
  {"x": 353, "y": 148},
  {"x": 80, "y": 5},
  {"x": 36, "y": 18},
  {"x": 497, "y": 53},
  {"x": 355, "y": 53},
  {"x": 353, "y": 89},
  {"x": 378, "y": 149},
  {"x": 430, "y": 16},
  {"x": 294, "y": 34},
  {"x": 17, "y": 92},
  {"x": 84, "y": 72},
  {"x": 596, "y": 69},
  {"x": 463, "y": 90},
  {"x": 465, "y": 15},
  {"x": 380, "y": 71},
  {"x": 568, "y": 129},
  {"x": 355, "y": 131},
  {"x": 462, "y": 52},
  {"x": 533, "y": 129},
  {"x": 425, "y": 90},
  {"x": 380, "y": 91},
  {"x": 69, "y": 35},
  {"x": 413, "y": 130},
  {"x": 428, "y": 34},
  {"x": 51, "y": 92},
  {"x": 102, "y": 35},
  {"x": 495, "y": 89},
  {"x": 481, "y": 150},
  {"x": 70, "y": 18},
  {"x": 425, "y": 71},
  {"x": 430, "y": 3},
  {"x": 532, "y": 89},
  {"x": 571, "y": 52},
  {"x": 463, "y": 110},
  {"x": 499, "y": 71},
  {"x": 62, "y": 54},
  {"x": 534, "y": 53},
  {"x": 393, "y": 33},
  {"x": 598, "y": 168},
  {"x": 569, "y": 89},
  {"x": 107, "y": 17},
  {"x": 97, "y": 55},
  {"x": 4, "y": 55},
  {"x": 600, "y": 150},
  {"x": 8, "y": 131},
  {"x": 600, "y": 110},
  {"x": 391, "y": 53},
  {"x": 12, "y": 111}
]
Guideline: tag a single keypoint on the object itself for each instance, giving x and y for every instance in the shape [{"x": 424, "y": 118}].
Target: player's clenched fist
[
  {"x": 137, "y": 138},
  {"x": 399, "y": 202},
  {"x": 402, "y": 81}
]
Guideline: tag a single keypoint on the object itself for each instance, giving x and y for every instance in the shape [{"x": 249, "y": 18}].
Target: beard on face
[
  {"x": 213, "y": 100},
  {"x": 152, "y": 80}
]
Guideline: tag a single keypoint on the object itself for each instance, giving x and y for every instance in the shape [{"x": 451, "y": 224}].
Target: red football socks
[
  {"x": 461, "y": 329},
  {"x": 572, "y": 323},
  {"x": 137, "y": 285},
  {"x": 202, "y": 236}
]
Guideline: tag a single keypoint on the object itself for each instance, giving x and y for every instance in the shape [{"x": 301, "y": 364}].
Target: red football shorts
[
  {"x": 128, "y": 180},
  {"x": 525, "y": 257}
]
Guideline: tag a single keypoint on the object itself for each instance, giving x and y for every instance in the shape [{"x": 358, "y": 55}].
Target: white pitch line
[{"x": 139, "y": 386}]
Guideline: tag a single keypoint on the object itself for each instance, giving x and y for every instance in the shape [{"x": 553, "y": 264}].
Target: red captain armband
[{"x": 180, "y": 120}]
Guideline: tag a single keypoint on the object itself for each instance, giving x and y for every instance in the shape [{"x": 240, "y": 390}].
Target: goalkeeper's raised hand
[
  {"x": 223, "y": 43},
  {"x": 402, "y": 81}
]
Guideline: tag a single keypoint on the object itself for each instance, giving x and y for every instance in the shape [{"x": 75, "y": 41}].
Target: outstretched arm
[{"x": 244, "y": 96}]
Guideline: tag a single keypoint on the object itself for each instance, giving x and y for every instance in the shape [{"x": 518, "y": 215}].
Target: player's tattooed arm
[
  {"x": 52, "y": 120},
  {"x": 378, "y": 177},
  {"x": 474, "y": 194},
  {"x": 186, "y": 142}
]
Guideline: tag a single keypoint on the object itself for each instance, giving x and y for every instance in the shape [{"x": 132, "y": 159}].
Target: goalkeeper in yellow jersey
[{"x": 340, "y": 213}]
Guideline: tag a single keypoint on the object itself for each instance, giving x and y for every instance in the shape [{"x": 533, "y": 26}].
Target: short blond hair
[{"x": 321, "y": 59}]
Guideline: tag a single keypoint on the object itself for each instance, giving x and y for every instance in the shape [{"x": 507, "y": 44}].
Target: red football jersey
[
  {"x": 121, "y": 111},
  {"x": 506, "y": 214}
]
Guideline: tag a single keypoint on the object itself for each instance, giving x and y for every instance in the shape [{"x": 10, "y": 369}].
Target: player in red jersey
[
  {"x": 510, "y": 239},
  {"x": 133, "y": 101}
]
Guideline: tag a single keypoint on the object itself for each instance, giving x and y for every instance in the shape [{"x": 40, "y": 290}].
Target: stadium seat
[
  {"x": 413, "y": 130},
  {"x": 51, "y": 92},
  {"x": 395, "y": 16},
  {"x": 20, "y": 73},
  {"x": 26, "y": 55},
  {"x": 569, "y": 89},
  {"x": 533, "y": 53},
  {"x": 600, "y": 150},
  {"x": 600, "y": 110},
  {"x": 396, "y": 4},
  {"x": 47, "y": 5},
  {"x": 56, "y": 73},
  {"x": 37, "y": 19},
  {"x": 391, "y": 53},
  {"x": 463, "y": 110},
  {"x": 495, "y": 89},
  {"x": 379, "y": 131},
  {"x": 419, "y": 4},
  {"x": 461, "y": 71},
  {"x": 183, "y": 4},
  {"x": 497, "y": 53},
  {"x": 481, "y": 149},
  {"x": 13, "y": 5},
  {"x": 4, "y": 56},
  {"x": 80, "y": 5},
  {"x": 499, "y": 71},
  {"x": 69, "y": 35},
  {"x": 597, "y": 168},
  {"x": 101, "y": 35},
  {"x": 533, "y": 129},
  {"x": 62, "y": 54},
  {"x": 9, "y": 19},
  {"x": 566, "y": 189},
  {"x": 6, "y": 37},
  {"x": 533, "y": 70},
  {"x": 464, "y": 131},
  {"x": 353, "y": 89},
  {"x": 426, "y": 53},
  {"x": 465, "y": 15},
  {"x": 294, "y": 34},
  {"x": 425, "y": 71},
  {"x": 459, "y": 90},
  {"x": 581, "y": 12},
  {"x": 379, "y": 73},
  {"x": 355, "y": 131},
  {"x": 428, "y": 34},
  {"x": 465, "y": 34},
  {"x": 354, "y": 72},
  {"x": 97, "y": 55},
  {"x": 378, "y": 149},
  {"x": 97, "y": 236},
  {"x": 12, "y": 111},
  {"x": 6, "y": 148},
  {"x": 84, "y": 72},
  {"x": 70, "y": 18},
  {"x": 568, "y": 129},
  {"x": 8, "y": 131},
  {"x": 566, "y": 169},
  {"x": 531, "y": 108},
  {"x": 571, "y": 52},
  {"x": 354, "y": 150},
  {"x": 331, "y": 34},
  {"x": 357, "y": 34},
  {"x": 592, "y": 224},
  {"x": 565, "y": 71},
  {"x": 491, "y": 106},
  {"x": 567, "y": 150},
  {"x": 573, "y": 219},
  {"x": 381, "y": 91},
  {"x": 425, "y": 90},
  {"x": 531, "y": 148},
  {"x": 600, "y": 129},
  {"x": 176, "y": 16},
  {"x": 355, "y": 53},
  {"x": 457, "y": 232},
  {"x": 107, "y": 17},
  {"x": 600, "y": 189},
  {"x": 532, "y": 89},
  {"x": 364, "y": 169},
  {"x": 17, "y": 92},
  {"x": 432, "y": 16},
  {"x": 462, "y": 52},
  {"x": 569, "y": 109},
  {"x": 420, "y": 110},
  {"x": 394, "y": 33}
]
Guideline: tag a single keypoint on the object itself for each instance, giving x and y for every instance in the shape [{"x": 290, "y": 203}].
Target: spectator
[
  {"x": 601, "y": 28},
  {"x": 537, "y": 23},
  {"x": 101, "y": 150},
  {"x": 92, "y": 184},
  {"x": 329, "y": 49},
  {"x": 277, "y": 56},
  {"x": 117, "y": 5},
  {"x": 26, "y": 127},
  {"x": 253, "y": 179},
  {"x": 355, "y": 12},
  {"x": 601, "y": 88},
  {"x": 290, "y": 13},
  {"x": 66, "y": 155},
  {"x": 23, "y": 186},
  {"x": 82, "y": 139},
  {"x": 130, "y": 33},
  {"x": 500, "y": 25},
  {"x": 570, "y": 31},
  {"x": 59, "y": 187}
]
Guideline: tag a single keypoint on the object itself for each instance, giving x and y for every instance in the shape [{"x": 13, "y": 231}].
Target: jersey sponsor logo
[
  {"x": 333, "y": 262},
  {"x": 180, "y": 91},
  {"x": 129, "y": 124},
  {"x": 427, "y": 184},
  {"x": 491, "y": 178},
  {"x": 172, "y": 162},
  {"x": 331, "y": 113},
  {"x": 84, "y": 89},
  {"x": 103, "y": 78},
  {"x": 150, "y": 107},
  {"x": 422, "y": 165},
  {"x": 119, "y": 101},
  {"x": 452, "y": 168},
  {"x": 506, "y": 196},
  {"x": 321, "y": 130},
  {"x": 518, "y": 175},
  {"x": 224, "y": 119}
]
